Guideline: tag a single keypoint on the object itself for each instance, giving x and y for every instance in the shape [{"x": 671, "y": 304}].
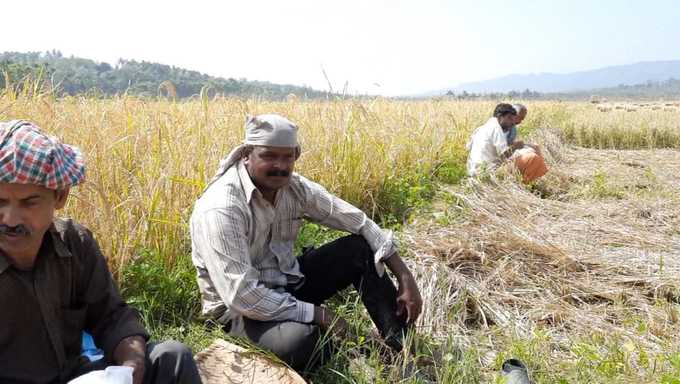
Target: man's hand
[
  {"x": 138, "y": 369},
  {"x": 328, "y": 320},
  {"x": 409, "y": 302},
  {"x": 518, "y": 144},
  {"x": 131, "y": 352}
]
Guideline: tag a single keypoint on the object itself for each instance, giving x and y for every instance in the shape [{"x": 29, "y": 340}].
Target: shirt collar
[
  {"x": 248, "y": 187},
  {"x": 59, "y": 246}
]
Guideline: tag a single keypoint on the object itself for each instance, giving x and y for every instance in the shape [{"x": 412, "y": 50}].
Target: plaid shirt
[{"x": 242, "y": 246}]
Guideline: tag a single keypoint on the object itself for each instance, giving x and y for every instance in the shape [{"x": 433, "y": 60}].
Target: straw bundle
[{"x": 223, "y": 362}]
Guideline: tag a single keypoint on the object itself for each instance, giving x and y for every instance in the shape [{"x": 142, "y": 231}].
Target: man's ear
[
  {"x": 246, "y": 159},
  {"x": 61, "y": 196}
]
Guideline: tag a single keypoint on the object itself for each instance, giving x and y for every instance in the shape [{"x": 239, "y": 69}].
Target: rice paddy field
[{"x": 577, "y": 275}]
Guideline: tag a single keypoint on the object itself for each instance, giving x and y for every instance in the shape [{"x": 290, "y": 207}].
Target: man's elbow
[
  {"x": 254, "y": 314},
  {"x": 251, "y": 310}
]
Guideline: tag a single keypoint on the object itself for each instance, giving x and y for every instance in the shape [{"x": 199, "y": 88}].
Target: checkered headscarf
[{"x": 28, "y": 156}]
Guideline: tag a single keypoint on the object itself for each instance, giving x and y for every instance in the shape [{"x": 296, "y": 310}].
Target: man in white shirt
[
  {"x": 243, "y": 229},
  {"x": 489, "y": 145}
]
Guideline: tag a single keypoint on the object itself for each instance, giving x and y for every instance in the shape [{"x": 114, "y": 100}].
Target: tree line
[
  {"x": 74, "y": 75},
  {"x": 646, "y": 91}
]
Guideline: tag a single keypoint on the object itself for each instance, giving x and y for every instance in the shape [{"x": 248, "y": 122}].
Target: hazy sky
[{"x": 387, "y": 47}]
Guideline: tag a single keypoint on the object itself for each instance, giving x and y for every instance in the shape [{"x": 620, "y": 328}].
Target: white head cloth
[
  {"x": 265, "y": 130},
  {"x": 519, "y": 108}
]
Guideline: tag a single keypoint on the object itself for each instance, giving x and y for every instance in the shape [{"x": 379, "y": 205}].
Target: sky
[{"x": 386, "y": 47}]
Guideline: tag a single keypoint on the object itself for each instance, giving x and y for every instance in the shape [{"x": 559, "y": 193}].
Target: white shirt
[
  {"x": 242, "y": 245},
  {"x": 486, "y": 146}
]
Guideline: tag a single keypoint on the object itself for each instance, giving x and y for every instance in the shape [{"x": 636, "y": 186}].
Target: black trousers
[
  {"x": 328, "y": 270},
  {"x": 169, "y": 362}
]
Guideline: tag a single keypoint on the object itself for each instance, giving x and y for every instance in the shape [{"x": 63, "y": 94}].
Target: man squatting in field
[
  {"x": 243, "y": 229},
  {"x": 54, "y": 281},
  {"x": 495, "y": 141}
]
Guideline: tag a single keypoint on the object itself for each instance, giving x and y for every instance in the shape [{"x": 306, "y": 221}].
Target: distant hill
[
  {"x": 639, "y": 73},
  {"x": 649, "y": 90},
  {"x": 74, "y": 75}
]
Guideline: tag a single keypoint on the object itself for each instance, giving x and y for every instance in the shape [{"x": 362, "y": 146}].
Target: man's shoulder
[
  {"x": 297, "y": 180},
  {"x": 489, "y": 129},
  {"x": 73, "y": 239},
  {"x": 69, "y": 230},
  {"x": 300, "y": 186},
  {"x": 225, "y": 192},
  {"x": 480, "y": 136}
]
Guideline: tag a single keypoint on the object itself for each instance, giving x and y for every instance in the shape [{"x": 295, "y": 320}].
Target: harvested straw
[
  {"x": 223, "y": 362},
  {"x": 568, "y": 264}
]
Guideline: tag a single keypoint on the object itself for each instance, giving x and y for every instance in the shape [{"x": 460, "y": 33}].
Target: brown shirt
[{"x": 44, "y": 311}]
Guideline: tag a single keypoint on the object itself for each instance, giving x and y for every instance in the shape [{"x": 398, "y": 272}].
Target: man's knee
[
  {"x": 358, "y": 247},
  {"x": 295, "y": 343},
  {"x": 294, "y": 338},
  {"x": 171, "y": 362}
]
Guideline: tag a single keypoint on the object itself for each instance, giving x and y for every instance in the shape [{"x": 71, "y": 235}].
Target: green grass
[
  {"x": 164, "y": 294},
  {"x": 600, "y": 188}
]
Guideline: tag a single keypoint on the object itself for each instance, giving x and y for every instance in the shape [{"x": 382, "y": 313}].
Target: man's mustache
[
  {"x": 280, "y": 172},
  {"x": 19, "y": 230}
]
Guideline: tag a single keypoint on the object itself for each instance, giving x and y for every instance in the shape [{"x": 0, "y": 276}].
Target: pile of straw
[
  {"x": 223, "y": 362},
  {"x": 566, "y": 263}
]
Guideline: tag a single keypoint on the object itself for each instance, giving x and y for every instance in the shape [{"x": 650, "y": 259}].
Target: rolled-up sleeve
[
  {"x": 219, "y": 237},
  {"x": 326, "y": 209}
]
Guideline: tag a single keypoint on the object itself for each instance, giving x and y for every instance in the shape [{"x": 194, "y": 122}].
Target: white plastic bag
[{"x": 111, "y": 375}]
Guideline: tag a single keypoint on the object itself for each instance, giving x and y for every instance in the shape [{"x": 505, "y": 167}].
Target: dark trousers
[
  {"x": 328, "y": 270},
  {"x": 169, "y": 362}
]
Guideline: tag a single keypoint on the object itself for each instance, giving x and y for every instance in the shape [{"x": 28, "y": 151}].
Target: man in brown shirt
[{"x": 54, "y": 281}]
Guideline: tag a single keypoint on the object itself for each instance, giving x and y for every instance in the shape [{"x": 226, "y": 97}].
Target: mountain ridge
[{"x": 549, "y": 82}]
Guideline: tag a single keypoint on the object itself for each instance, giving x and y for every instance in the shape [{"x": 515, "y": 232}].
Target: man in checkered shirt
[{"x": 243, "y": 229}]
